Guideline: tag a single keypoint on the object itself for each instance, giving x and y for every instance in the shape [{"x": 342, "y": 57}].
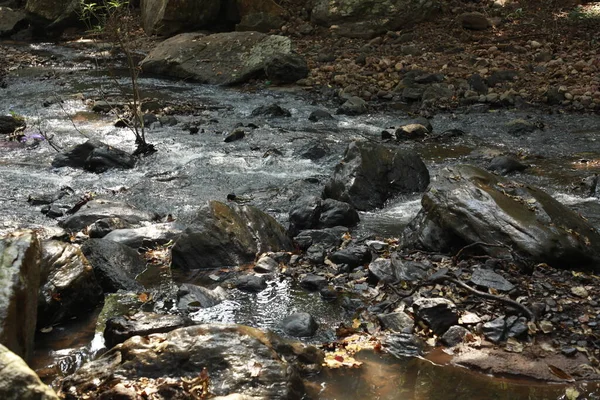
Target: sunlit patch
[{"x": 585, "y": 163}]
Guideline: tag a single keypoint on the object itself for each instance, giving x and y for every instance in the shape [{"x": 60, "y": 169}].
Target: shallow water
[{"x": 189, "y": 170}]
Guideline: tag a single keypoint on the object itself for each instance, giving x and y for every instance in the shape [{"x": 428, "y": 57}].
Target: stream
[{"x": 269, "y": 167}]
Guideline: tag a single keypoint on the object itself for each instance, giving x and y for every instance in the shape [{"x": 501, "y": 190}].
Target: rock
[
  {"x": 455, "y": 335},
  {"x": 517, "y": 326},
  {"x": 435, "y": 93},
  {"x": 95, "y": 210},
  {"x": 193, "y": 297},
  {"x": 10, "y": 123},
  {"x": 51, "y": 16},
  {"x": 299, "y": 324},
  {"x": 259, "y": 22},
  {"x": 501, "y": 76},
  {"x": 383, "y": 270},
  {"x": 412, "y": 132},
  {"x": 20, "y": 255},
  {"x": 353, "y": 106},
  {"x": 313, "y": 151},
  {"x": 353, "y": 256},
  {"x": 271, "y": 110},
  {"x": 238, "y": 359},
  {"x": 266, "y": 265},
  {"x": 468, "y": 205},
  {"x": 518, "y": 127},
  {"x": 311, "y": 212},
  {"x": 71, "y": 288},
  {"x": 580, "y": 291},
  {"x": 94, "y": 156},
  {"x": 313, "y": 283},
  {"x": 250, "y": 283},
  {"x": 475, "y": 21},
  {"x": 235, "y": 135},
  {"x": 18, "y": 381},
  {"x": 438, "y": 313},
  {"x": 219, "y": 59},
  {"x": 505, "y": 165},
  {"x": 477, "y": 83},
  {"x": 115, "y": 265},
  {"x": 367, "y": 19},
  {"x": 495, "y": 330},
  {"x": 11, "y": 21},
  {"x": 327, "y": 237},
  {"x": 490, "y": 280},
  {"x": 554, "y": 95},
  {"x": 146, "y": 236},
  {"x": 370, "y": 174},
  {"x": 397, "y": 322},
  {"x": 319, "y": 115},
  {"x": 224, "y": 235},
  {"x": 410, "y": 271},
  {"x": 104, "y": 226},
  {"x": 286, "y": 68},
  {"x": 167, "y": 17},
  {"x": 402, "y": 345},
  {"x": 413, "y": 93},
  {"x": 119, "y": 329}
]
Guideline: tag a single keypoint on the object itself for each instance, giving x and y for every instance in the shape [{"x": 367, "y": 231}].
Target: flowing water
[{"x": 267, "y": 167}]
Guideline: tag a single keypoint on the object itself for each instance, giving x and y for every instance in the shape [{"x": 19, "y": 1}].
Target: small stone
[
  {"x": 495, "y": 330},
  {"x": 397, "y": 322},
  {"x": 237, "y": 134},
  {"x": 313, "y": 283},
  {"x": 546, "y": 326},
  {"x": 266, "y": 265},
  {"x": 580, "y": 291},
  {"x": 454, "y": 336},
  {"x": 300, "y": 325},
  {"x": 490, "y": 279},
  {"x": 568, "y": 351}
]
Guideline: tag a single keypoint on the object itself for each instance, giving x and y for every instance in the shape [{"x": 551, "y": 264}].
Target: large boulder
[
  {"x": 71, "y": 288},
  {"x": 94, "y": 156},
  {"x": 224, "y": 235},
  {"x": 18, "y": 381},
  {"x": 167, "y": 17},
  {"x": 11, "y": 20},
  {"x": 52, "y": 15},
  {"x": 369, "y": 18},
  {"x": 98, "y": 209},
  {"x": 371, "y": 173},
  {"x": 229, "y": 360},
  {"x": 468, "y": 205},
  {"x": 221, "y": 59},
  {"x": 19, "y": 284}
]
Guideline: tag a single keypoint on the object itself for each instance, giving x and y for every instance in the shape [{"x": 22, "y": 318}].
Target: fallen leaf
[
  {"x": 560, "y": 373},
  {"x": 572, "y": 393}
]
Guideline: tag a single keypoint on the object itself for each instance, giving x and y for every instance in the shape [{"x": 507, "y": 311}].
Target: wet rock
[
  {"x": 167, "y": 17},
  {"x": 315, "y": 254},
  {"x": 266, "y": 265},
  {"x": 227, "y": 58},
  {"x": 193, "y": 297},
  {"x": 9, "y": 123},
  {"x": 435, "y": 93},
  {"x": 95, "y": 210},
  {"x": 517, "y": 326},
  {"x": 518, "y": 127},
  {"x": 319, "y": 115},
  {"x": 18, "y": 381},
  {"x": 402, "y": 345},
  {"x": 477, "y": 83},
  {"x": 239, "y": 360},
  {"x": 119, "y": 329},
  {"x": 104, "y": 226},
  {"x": 328, "y": 237},
  {"x": 286, "y": 68},
  {"x": 468, "y": 205},
  {"x": 313, "y": 151},
  {"x": 312, "y": 212},
  {"x": 501, "y": 76},
  {"x": 48, "y": 198},
  {"x": 250, "y": 283},
  {"x": 20, "y": 278},
  {"x": 495, "y": 330},
  {"x": 413, "y": 93},
  {"x": 50, "y": 16},
  {"x": 259, "y": 22},
  {"x": 11, "y": 21},
  {"x": 353, "y": 106},
  {"x": 313, "y": 283},
  {"x": 227, "y": 234},
  {"x": 53, "y": 211},
  {"x": 115, "y": 265},
  {"x": 505, "y": 165},
  {"x": 352, "y": 256},
  {"x": 411, "y": 132},
  {"x": 299, "y": 324},
  {"x": 70, "y": 289},
  {"x": 454, "y": 335},
  {"x": 271, "y": 110},
  {"x": 397, "y": 322},
  {"x": 146, "y": 236},
  {"x": 491, "y": 280},
  {"x": 554, "y": 95},
  {"x": 371, "y": 173},
  {"x": 235, "y": 135},
  {"x": 588, "y": 186},
  {"x": 382, "y": 270},
  {"x": 94, "y": 156},
  {"x": 367, "y": 20},
  {"x": 474, "y": 21},
  {"x": 438, "y": 313},
  {"x": 406, "y": 270}
]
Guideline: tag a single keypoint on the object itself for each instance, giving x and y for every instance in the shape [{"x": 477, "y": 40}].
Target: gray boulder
[
  {"x": 468, "y": 205},
  {"x": 151, "y": 235},
  {"x": 71, "y": 288},
  {"x": 121, "y": 328},
  {"x": 10, "y": 20},
  {"x": 366, "y": 19},
  {"x": 94, "y": 156},
  {"x": 228, "y": 234},
  {"x": 19, "y": 285},
  {"x": 370, "y": 174},
  {"x": 52, "y": 15},
  {"x": 219, "y": 59},
  {"x": 167, "y": 17},
  {"x": 95, "y": 210},
  {"x": 239, "y": 360},
  {"x": 311, "y": 212},
  {"x": 18, "y": 381}
]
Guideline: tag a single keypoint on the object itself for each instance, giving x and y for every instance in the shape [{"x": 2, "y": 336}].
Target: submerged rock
[
  {"x": 234, "y": 359},
  {"x": 18, "y": 381},
  {"x": 370, "y": 174},
  {"x": 20, "y": 255},
  {"x": 468, "y": 205},
  {"x": 224, "y": 235},
  {"x": 94, "y": 156}
]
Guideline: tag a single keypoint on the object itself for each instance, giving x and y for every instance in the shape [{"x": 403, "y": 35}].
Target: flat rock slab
[
  {"x": 490, "y": 279},
  {"x": 219, "y": 59}
]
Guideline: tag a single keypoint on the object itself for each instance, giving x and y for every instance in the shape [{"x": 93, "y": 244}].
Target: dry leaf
[{"x": 560, "y": 373}]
